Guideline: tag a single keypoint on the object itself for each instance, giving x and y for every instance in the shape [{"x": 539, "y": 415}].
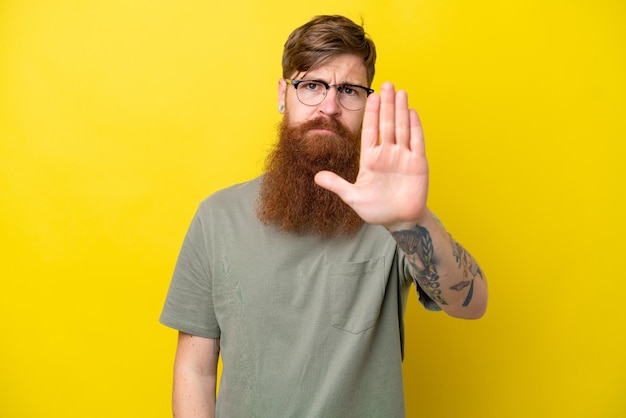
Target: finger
[
  {"x": 334, "y": 183},
  {"x": 369, "y": 133},
  {"x": 417, "y": 133},
  {"x": 387, "y": 114},
  {"x": 403, "y": 129}
]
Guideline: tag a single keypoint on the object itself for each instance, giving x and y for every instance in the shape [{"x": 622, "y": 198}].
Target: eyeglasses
[{"x": 313, "y": 92}]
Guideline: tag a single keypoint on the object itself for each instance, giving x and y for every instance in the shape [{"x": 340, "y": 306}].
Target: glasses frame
[{"x": 295, "y": 83}]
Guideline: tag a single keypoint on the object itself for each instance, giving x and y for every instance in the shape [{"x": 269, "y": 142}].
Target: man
[{"x": 299, "y": 279}]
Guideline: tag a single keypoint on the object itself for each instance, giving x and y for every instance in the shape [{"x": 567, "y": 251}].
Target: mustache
[{"x": 325, "y": 123}]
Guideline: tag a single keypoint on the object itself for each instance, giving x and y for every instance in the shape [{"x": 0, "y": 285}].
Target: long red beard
[{"x": 289, "y": 197}]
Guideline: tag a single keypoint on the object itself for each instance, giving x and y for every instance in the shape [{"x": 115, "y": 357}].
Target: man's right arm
[{"x": 195, "y": 376}]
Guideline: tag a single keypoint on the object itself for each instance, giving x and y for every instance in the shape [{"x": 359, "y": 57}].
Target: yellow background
[{"x": 118, "y": 117}]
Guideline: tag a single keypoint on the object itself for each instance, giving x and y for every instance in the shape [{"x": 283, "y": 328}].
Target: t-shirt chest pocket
[{"x": 358, "y": 289}]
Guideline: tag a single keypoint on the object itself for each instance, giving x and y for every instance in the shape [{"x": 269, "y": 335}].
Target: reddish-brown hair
[{"x": 324, "y": 37}]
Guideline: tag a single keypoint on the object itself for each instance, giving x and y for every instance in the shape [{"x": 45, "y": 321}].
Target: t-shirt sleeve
[{"x": 189, "y": 303}]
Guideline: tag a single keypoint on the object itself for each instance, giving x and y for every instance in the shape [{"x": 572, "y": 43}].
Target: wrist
[{"x": 426, "y": 221}]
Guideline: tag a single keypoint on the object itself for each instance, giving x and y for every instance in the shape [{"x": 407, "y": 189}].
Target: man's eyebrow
[{"x": 354, "y": 84}]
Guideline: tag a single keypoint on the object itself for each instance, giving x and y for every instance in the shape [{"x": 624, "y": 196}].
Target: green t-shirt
[{"x": 308, "y": 327}]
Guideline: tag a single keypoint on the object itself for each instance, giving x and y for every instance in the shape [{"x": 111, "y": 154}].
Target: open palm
[{"x": 392, "y": 185}]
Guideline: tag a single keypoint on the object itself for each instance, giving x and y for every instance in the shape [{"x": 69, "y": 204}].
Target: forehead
[{"x": 345, "y": 68}]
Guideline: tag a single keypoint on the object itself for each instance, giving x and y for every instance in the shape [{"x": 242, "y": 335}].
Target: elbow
[
  {"x": 464, "y": 313},
  {"x": 475, "y": 310}
]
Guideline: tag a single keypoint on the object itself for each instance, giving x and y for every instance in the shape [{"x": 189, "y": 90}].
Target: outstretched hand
[{"x": 392, "y": 185}]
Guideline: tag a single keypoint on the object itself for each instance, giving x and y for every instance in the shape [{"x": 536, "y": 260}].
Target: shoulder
[{"x": 231, "y": 197}]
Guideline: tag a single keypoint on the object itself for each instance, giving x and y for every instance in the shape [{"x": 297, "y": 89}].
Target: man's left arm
[{"x": 391, "y": 190}]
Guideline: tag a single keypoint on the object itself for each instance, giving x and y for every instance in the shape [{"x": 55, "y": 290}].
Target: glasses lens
[
  {"x": 311, "y": 93},
  {"x": 352, "y": 97}
]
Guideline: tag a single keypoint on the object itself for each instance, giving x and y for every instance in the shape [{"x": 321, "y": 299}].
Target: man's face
[{"x": 342, "y": 69}]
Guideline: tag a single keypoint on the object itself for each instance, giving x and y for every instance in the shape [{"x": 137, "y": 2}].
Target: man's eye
[
  {"x": 312, "y": 86},
  {"x": 349, "y": 91}
]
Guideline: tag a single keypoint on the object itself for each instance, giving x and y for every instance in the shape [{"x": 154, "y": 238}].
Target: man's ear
[{"x": 282, "y": 94}]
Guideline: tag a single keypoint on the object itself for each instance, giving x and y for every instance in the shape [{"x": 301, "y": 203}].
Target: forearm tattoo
[
  {"x": 418, "y": 247},
  {"x": 469, "y": 266}
]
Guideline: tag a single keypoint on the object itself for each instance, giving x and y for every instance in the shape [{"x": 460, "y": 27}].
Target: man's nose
[{"x": 330, "y": 105}]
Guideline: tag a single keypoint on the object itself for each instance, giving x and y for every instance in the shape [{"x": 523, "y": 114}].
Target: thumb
[{"x": 333, "y": 182}]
